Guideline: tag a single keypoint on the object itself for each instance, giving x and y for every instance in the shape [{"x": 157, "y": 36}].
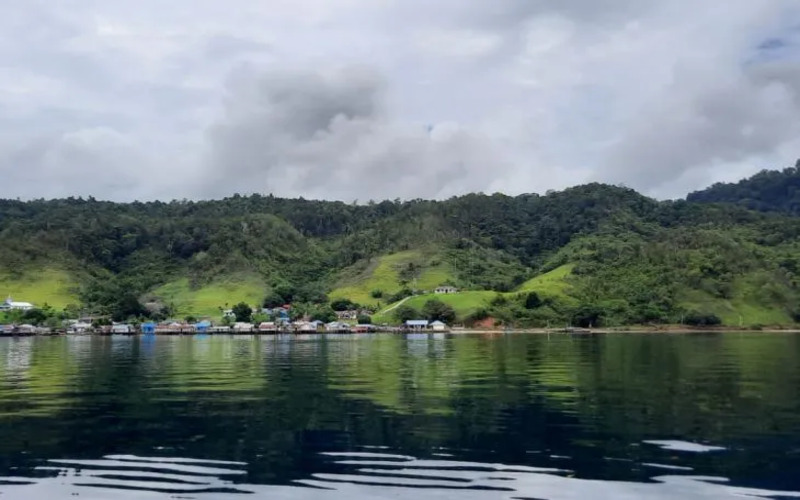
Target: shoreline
[
  {"x": 636, "y": 330},
  {"x": 667, "y": 330}
]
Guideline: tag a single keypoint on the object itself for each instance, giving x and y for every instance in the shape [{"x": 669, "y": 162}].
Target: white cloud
[{"x": 358, "y": 99}]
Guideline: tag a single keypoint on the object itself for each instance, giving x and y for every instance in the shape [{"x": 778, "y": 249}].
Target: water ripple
[{"x": 361, "y": 475}]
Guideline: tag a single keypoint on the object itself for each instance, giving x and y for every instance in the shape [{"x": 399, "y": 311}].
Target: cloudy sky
[{"x": 374, "y": 99}]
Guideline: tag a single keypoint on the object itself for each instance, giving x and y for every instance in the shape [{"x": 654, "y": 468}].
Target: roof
[
  {"x": 10, "y": 303},
  {"x": 417, "y": 322},
  {"x": 438, "y": 323},
  {"x": 204, "y": 323}
]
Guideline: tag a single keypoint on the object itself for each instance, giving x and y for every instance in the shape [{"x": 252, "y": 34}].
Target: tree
[
  {"x": 343, "y": 305},
  {"x": 695, "y": 318},
  {"x": 532, "y": 301},
  {"x": 499, "y": 300},
  {"x": 52, "y": 322},
  {"x": 405, "y": 313},
  {"x": 587, "y": 316},
  {"x": 34, "y": 316},
  {"x": 363, "y": 319},
  {"x": 376, "y": 294},
  {"x": 127, "y": 306},
  {"x": 403, "y": 293},
  {"x": 324, "y": 314},
  {"x": 242, "y": 312},
  {"x": 273, "y": 300},
  {"x": 285, "y": 291},
  {"x": 479, "y": 315},
  {"x": 436, "y": 310},
  {"x": 312, "y": 293},
  {"x": 72, "y": 311},
  {"x": 190, "y": 319}
]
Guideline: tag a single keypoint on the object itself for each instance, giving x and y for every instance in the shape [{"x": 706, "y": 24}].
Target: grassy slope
[
  {"x": 49, "y": 285},
  {"x": 742, "y": 309},
  {"x": 382, "y": 274},
  {"x": 207, "y": 300},
  {"x": 553, "y": 283}
]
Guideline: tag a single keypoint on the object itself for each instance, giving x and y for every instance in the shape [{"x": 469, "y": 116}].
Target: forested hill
[
  {"x": 593, "y": 254},
  {"x": 767, "y": 191}
]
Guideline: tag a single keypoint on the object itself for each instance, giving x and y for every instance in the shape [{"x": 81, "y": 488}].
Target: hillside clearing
[
  {"x": 384, "y": 274},
  {"x": 50, "y": 286},
  {"x": 551, "y": 283},
  {"x": 207, "y": 300}
]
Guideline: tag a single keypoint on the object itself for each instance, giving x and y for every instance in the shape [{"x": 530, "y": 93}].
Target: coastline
[
  {"x": 670, "y": 330},
  {"x": 637, "y": 330}
]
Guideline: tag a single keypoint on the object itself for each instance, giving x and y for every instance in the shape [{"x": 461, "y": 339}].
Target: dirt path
[{"x": 385, "y": 311}]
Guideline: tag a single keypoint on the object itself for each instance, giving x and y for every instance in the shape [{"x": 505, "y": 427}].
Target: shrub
[
  {"x": 695, "y": 318},
  {"x": 436, "y": 310},
  {"x": 405, "y": 292},
  {"x": 532, "y": 301},
  {"x": 343, "y": 305},
  {"x": 405, "y": 313}
]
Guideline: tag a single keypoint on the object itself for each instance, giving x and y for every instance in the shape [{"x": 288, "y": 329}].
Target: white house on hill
[
  {"x": 446, "y": 289},
  {"x": 10, "y": 305}
]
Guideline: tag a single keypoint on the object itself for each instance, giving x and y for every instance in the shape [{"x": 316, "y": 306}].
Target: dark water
[{"x": 418, "y": 416}]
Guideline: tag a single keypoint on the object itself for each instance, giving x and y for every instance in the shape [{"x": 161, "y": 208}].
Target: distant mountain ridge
[{"x": 767, "y": 191}]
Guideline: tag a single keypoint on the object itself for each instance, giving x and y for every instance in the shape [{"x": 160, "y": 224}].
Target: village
[{"x": 279, "y": 322}]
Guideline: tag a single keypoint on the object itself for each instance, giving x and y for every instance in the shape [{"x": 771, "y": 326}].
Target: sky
[{"x": 359, "y": 100}]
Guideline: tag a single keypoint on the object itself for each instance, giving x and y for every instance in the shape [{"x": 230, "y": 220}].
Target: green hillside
[
  {"x": 613, "y": 257},
  {"x": 554, "y": 282},
  {"x": 749, "y": 303},
  {"x": 50, "y": 286},
  {"x": 389, "y": 274},
  {"x": 464, "y": 304},
  {"x": 207, "y": 300}
]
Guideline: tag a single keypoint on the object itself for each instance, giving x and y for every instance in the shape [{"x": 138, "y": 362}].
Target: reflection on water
[{"x": 483, "y": 417}]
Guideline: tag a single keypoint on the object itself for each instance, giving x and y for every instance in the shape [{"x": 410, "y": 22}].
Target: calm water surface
[{"x": 417, "y": 416}]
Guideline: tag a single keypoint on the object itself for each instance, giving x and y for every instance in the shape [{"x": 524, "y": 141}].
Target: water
[{"x": 417, "y": 416}]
